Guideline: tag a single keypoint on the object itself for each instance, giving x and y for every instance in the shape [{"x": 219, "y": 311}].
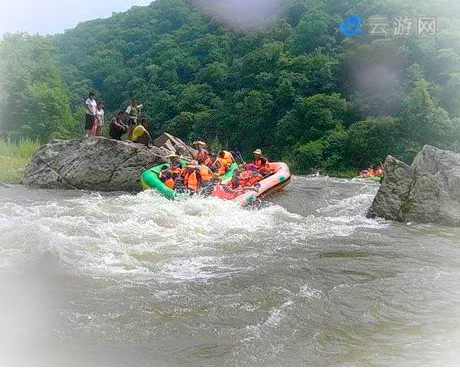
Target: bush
[
  {"x": 309, "y": 156},
  {"x": 24, "y": 148},
  {"x": 14, "y": 157}
]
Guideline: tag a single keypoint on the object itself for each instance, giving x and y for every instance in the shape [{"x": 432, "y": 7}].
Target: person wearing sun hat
[
  {"x": 176, "y": 165},
  {"x": 173, "y": 156},
  {"x": 259, "y": 160},
  {"x": 201, "y": 153}
]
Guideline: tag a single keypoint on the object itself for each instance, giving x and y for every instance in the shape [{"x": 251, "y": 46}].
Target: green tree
[
  {"x": 34, "y": 99},
  {"x": 424, "y": 121},
  {"x": 371, "y": 140},
  {"x": 312, "y": 117}
]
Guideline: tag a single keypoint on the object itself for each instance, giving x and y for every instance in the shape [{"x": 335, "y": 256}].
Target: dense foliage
[{"x": 297, "y": 88}]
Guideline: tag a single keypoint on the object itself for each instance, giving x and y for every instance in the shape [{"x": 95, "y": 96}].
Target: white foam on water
[
  {"x": 274, "y": 318},
  {"x": 307, "y": 292},
  {"x": 94, "y": 233},
  {"x": 142, "y": 234}
]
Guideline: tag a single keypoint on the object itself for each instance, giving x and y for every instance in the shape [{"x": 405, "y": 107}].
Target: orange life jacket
[
  {"x": 252, "y": 180},
  {"x": 167, "y": 179},
  {"x": 223, "y": 192},
  {"x": 265, "y": 169},
  {"x": 208, "y": 162},
  {"x": 203, "y": 154},
  {"x": 177, "y": 171},
  {"x": 169, "y": 183},
  {"x": 205, "y": 173},
  {"x": 228, "y": 157},
  {"x": 258, "y": 162},
  {"x": 222, "y": 167},
  {"x": 244, "y": 179},
  {"x": 191, "y": 180}
]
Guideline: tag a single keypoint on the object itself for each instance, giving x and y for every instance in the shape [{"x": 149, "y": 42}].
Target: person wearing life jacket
[
  {"x": 167, "y": 177},
  {"x": 224, "y": 191},
  {"x": 191, "y": 178},
  {"x": 220, "y": 190},
  {"x": 237, "y": 180},
  {"x": 264, "y": 168},
  {"x": 201, "y": 152},
  {"x": 249, "y": 178},
  {"x": 227, "y": 157},
  {"x": 258, "y": 159},
  {"x": 175, "y": 167},
  {"x": 254, "y": 177},
  {"x": 219, "y": 166},
  {"x": 175, "y": 164},
  {"x": 205, "y": 174},
  {"x": 211, "y": 159},
  {"x": 244, "y": 179}
]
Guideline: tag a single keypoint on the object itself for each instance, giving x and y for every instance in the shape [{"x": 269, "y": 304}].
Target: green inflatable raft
[
  {"x": 150, "y": 179},
  {"x": 371, "y": 178}
]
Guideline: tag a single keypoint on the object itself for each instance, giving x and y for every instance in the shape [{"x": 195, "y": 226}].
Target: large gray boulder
[
  {"x": 427, "y": 191},
  {"x": 96, "y": 163}
]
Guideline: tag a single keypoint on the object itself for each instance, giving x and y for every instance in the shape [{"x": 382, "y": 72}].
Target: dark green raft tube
[{"x": 150, "y": 179}]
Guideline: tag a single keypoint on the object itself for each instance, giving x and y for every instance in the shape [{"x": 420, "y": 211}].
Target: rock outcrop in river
[
  {"x": 427, "y": 191},
  {"x": 97, "y": 163}
]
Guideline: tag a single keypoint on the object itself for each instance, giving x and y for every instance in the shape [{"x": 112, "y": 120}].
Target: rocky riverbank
[
  {"x": 427, "y": 191},
  {"x": 97, "y": 163}
]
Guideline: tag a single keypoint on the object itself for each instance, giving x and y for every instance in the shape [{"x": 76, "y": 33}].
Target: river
[{"x": 303, "y": 280}]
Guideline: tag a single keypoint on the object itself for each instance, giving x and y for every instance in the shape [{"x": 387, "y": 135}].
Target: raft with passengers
[
  {"x": 371, "y": 174},
  {"x": 217, "y": 175}
]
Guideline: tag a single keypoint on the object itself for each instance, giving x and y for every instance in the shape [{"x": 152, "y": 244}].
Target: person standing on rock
[
  {"x": 99, "y": 119},
  {"x": 134, "y": 112},
  {"x": 90, "y": 105}
]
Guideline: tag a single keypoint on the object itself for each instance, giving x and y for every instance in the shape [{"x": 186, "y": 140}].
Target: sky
[{"x": 55, "y": 16}]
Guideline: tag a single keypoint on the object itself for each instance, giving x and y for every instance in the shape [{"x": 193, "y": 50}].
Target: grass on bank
[{"x": 14, "y": 157}]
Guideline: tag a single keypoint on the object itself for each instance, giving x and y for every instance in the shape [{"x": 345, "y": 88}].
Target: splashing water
[{"x": 304, "y": 279}]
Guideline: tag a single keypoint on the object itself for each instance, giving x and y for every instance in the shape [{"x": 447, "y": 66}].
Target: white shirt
[
  {"x": 128, "y": 109},
  {"x": 100, "y": 117},
  {"x": 90, "y": 104}
]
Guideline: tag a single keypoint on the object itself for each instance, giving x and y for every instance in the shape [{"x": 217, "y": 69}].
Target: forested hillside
[{"x": 287, "y": 81}]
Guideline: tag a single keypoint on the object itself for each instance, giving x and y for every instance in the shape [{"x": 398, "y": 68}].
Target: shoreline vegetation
[
  {"x": 296, "y": 87},
  {"x": 14, "y": 157}
]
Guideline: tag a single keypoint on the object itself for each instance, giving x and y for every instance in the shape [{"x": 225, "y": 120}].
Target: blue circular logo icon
[{"x": 351, "y": 26}]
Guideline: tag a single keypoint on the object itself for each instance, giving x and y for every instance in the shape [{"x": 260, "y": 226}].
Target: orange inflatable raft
[{"x": 276, "y": 181}]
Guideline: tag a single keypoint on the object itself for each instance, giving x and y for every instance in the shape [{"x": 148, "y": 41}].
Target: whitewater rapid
[{"x": 302, "y": 279}]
